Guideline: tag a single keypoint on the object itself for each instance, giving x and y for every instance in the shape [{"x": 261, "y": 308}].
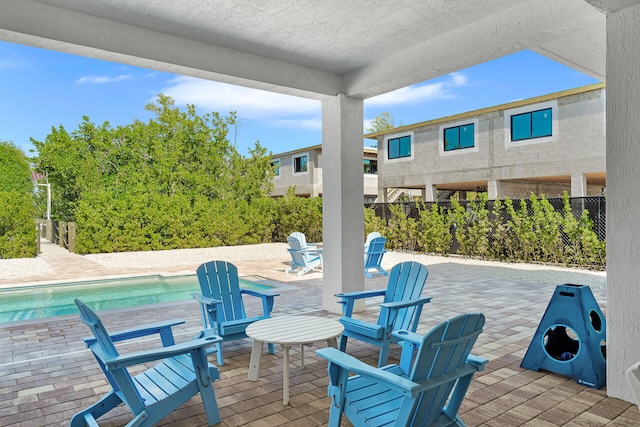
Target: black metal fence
[{"x": 596, "y": 208}]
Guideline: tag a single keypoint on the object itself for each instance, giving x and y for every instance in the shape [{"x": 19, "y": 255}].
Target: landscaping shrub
[
  {"x": 434, "y": 226},
  {"x": 584, "y": 248},
  {"x": 302, "y": 214},
  {"x": 373, "y": 222},
  {"x": 529, "y": 230},
  {"x": 17, "y": 209},
  {"x": 471, "y": 224},
  {"x": 502, "y": 240},
  {"x": 546, "y": 224},
  {"x": 17, "y": 228},
  {"x": 402, "y": 231}
]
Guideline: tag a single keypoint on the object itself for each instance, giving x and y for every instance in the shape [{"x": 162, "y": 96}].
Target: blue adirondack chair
[
  {"x": 302, "y": 239},
  {"x": 400, "y": 309},
  {"x": 369, "y": 238},
  {"x": 423, "y": 391},
  {"x": 303, "y": 260},
  {"x": 373, "y": 258},
  {"x": 156, "y": 392},
  {"x": 221, "y": 304}
]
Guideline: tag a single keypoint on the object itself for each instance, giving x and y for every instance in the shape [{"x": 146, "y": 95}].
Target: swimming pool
[{"x": 40, "y": 301}]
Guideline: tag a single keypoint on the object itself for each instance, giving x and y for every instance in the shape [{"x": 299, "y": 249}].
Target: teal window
[
  {"x": 459, "y": 137},
  {"x": 276, "y": 167},
  {"x": 399, "y": 147},
  {"x": 535, "y": 124},
  {"x": 371, "y": 166},
  {"x": 300, "y": 164}
]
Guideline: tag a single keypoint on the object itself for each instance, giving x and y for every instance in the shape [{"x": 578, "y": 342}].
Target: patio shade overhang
[{"x": 311, "y": 48}]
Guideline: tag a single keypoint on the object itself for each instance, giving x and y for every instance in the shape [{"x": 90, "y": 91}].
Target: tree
[
  {"x": 252, "y": 176},
  {"x": 17, "y": 230},
  {"x": 15, "y": 172},
  {"x": 382, "y": 121},
  {"x": 298, "y": 214},
  {"x": 174, "y": 181},
  {"x": 68, "y": 160}
]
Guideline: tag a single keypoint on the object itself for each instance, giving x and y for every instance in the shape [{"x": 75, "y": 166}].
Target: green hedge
[
  {"x": 298, "y": 214},
  {"x": 17, "y": 228},
  {"x": 149, "y": 221},
  {"x": 533, "y": 231}
]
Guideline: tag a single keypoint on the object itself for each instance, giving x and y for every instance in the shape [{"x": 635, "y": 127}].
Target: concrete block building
[
  {"x": 543, "y": 145},
  {"x": 302, "y": 168}
]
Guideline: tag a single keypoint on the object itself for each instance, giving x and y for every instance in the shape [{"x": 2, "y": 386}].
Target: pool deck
[{"x": 46, "y": 374}]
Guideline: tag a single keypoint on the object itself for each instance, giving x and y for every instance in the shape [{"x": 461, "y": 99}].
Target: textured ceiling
[
  {"x": 332, "y": 35},
  {"x": 312, "y": 47}
]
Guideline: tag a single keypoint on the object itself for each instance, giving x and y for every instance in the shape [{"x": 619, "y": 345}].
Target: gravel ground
[
  {"x": 187, "y": 257},
  {"x": 23, "y": 267}
]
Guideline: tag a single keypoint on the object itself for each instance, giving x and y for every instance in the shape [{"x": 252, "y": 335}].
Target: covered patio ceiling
[
  {"x": 310, "y": 48},
  {"x": 344, "y": 51}
]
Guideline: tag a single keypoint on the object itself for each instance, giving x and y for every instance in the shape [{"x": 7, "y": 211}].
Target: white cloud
[
  {"x": 249, "y": 103},
  {"x": 458, "y": 79},
  {"x": 314, "y": 123},
  {"x": 101, "y": 79},
  {"x": 7, "y": 64},
  {"x": 421, "y": 92}
]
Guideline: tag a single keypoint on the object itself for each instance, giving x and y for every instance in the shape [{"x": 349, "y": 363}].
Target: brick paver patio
[{"x": 46, "y": 374}]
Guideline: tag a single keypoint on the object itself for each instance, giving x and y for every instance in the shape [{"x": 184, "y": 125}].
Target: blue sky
[{"x": 41, "y": 89}]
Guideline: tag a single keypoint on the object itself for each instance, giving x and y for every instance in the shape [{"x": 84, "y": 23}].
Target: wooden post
[
  {"x": 62, "y": 233},
  {"x": 71, "y": 237},
  {"x": 38, "y": 229}
]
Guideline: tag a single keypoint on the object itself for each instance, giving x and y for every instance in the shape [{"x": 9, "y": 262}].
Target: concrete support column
[
  {"x": 315, "y": 187},
  {"x": 578, "y": 185},
  {"x": 429, "y": 193},
  {"x": 316, "y": 176},
  {"x": 342, "y": 208},
  {"x": 493, "y": 190},
  {"x": 382, "y": 195},
  {"x": 623, "y": 198}
]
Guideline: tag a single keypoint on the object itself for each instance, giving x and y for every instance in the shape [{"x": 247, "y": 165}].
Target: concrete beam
[
  {"x": 610, "y": 6},
  {"x": 523, "y": 26},
  {"x": 36, "y": 24}
]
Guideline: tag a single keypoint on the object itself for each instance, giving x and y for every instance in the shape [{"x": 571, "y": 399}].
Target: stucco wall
[
  {"x": 310, "y": 183},
  {"x": 304, "y": 181},
  {"x": 576, "y": 147}
]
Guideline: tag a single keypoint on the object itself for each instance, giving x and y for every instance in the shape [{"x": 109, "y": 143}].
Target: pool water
[{"x": 36, "y": 302}]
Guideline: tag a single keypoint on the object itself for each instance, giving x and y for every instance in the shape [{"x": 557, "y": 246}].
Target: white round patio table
[{"x": 289, "y": 331}]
